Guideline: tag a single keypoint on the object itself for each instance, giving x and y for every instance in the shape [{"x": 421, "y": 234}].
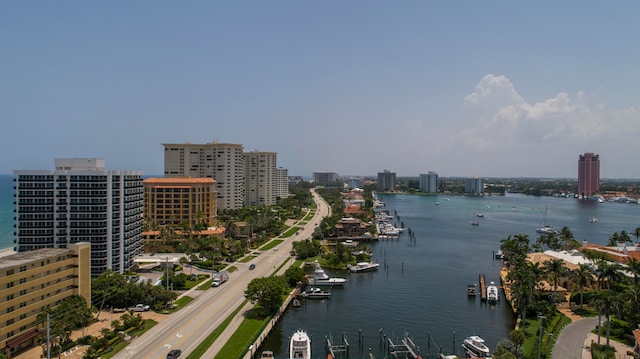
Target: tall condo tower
[
  {"x": 259, "y": 178},
  {"x": 386, "y": 181},
  {"x": 81, "y": 201},
  {"x": 588, "y": 174},
  {"x": 221, "y": 161}
]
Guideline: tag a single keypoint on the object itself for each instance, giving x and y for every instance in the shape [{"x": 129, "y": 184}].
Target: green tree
[
  {"x": 634, "y": 267},
  {"x": 555, "y": 268},
  {"x": 267, "y": 293},
  {"x": 295, "y": 275},
  {"x": 584, "y": 276}
]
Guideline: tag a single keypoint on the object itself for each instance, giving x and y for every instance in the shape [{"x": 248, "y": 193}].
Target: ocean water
[
  {"x": 420, "y": 287},
  {"x": 6, "y": 211}
]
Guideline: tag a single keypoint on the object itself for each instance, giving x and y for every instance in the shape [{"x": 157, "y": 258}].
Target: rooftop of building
[
  {"x": 179, "y": 180},
  {"x": 19, "y": 258}
]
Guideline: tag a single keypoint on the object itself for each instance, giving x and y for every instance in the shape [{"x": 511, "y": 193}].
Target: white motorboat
[
  {"x": 475, "y": 348},
  {"x": 593, "y": 219},
  {"x": 300, "y": 345},
  {"x": 492, "y": 293},
  {"x": 316, "y": 293},
  {"x": 267, "y": 354},
  {"x": 319, "y": 277},
  {"x": 471, "y": 290},
  {"x": 475, "y": 223},
  {"x": 363, "y": 267}
]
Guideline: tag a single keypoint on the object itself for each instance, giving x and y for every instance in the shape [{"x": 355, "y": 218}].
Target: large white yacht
[
  {"x": 319, "y": 277},
  {"x": 300, "y": 345},
  {"x": 475, "y": 348},
  {"x": 363, "y": 267}
]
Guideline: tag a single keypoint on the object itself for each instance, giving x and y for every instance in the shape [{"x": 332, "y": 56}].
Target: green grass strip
[
  {"x": 244, "y": 336},
  {"x": 208, "y": 341},
  {"x": 271, "y": 244}
]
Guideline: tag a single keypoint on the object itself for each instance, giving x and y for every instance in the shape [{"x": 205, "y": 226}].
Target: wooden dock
[{"x": 483, "y": 287}]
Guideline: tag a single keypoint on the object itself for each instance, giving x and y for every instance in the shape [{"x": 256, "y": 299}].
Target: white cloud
[{"x": 505, "y": 119}]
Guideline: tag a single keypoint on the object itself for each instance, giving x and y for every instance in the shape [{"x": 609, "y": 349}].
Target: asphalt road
[
  {"x": 187, "y": 328},
  {"x": 571, "y": 339}
]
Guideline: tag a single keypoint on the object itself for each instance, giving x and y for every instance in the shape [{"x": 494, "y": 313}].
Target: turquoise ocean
[{"x": 6, "y": 211}]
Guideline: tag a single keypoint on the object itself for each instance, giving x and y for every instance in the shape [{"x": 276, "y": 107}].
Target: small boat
[
  {"x": 593, "y": 219},
  {"x": 295, "y": 302},
  {"x": 267, "y": 354},
  {"x": 479, "y": 215},
  {"x": 499, "y": 254},
  {"x": 437, "y": 203},
  {"x": 300, "y": 345},
  {"x": 475, "y": 223},
  {"x": 492, "y": 293},
  {"x": 316, "y": 293},
  {"x": 363, "y": 267},
  {"x": 444, "y": 356},
  {"x": 475, "y": 348},
  {"x": 472, "y": 290},
  {"x": 547, "y": 230}
]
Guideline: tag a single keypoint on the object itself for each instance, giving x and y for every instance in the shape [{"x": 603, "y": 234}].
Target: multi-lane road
[{"x": 188, "y": 327}]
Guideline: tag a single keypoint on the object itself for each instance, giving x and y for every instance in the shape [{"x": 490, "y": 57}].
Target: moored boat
[
  {"x": 320, "y": 278},
  {"x": 363, "y": 267},
  {"x": 472, "y": 290},
  {"x": 316, "y": 293},
  {"x": 475, "y": 348},
  {"x": 492, "y": 293},
  {"x": 300, "y": 345}
]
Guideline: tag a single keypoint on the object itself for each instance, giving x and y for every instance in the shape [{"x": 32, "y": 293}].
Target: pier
[
  {"x": 483, "y": 287},
  {"x": 405, "y": 349},
  {"x": 336, "y": 351}
]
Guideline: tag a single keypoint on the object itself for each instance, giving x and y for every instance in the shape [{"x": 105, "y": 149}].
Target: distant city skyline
[{"x": 501, "y": 89}]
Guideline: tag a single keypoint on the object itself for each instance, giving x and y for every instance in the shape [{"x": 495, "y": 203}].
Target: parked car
[
  {"x": 175, "y": 353},
  {"x": 252, "y": 266}
]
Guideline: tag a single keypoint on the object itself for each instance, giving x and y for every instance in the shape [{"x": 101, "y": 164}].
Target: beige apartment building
[
  {"x": 176, "y": 200},
  {"x": 35, "y": 280},
  {"x": 259, "y": 178},
  {"x": 221, "y": 161}
]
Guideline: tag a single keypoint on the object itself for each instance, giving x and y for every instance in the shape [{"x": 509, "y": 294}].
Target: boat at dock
[
  {"x": 475, "y": 348},
  {"x": 472, "y": 290},
  {"x": 320, "y": 278},
  {"x": 492, "y": 293},
  {"x": 267, "y": 354},
  {"x": 363, "y": 267},
  {"x": 315, "y": 293},
  {"x": 300, "y": 345}
]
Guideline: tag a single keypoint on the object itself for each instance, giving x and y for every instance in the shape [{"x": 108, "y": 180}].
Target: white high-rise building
[
  {"x": 474, "y": 186},
  {"x": 81, "y": 201},
  {"x": 282, "y": 182},
  {"x": 259, "y": 178},
  {"x": 223, "y": 162},
  {"x": 429, "y": 182}
]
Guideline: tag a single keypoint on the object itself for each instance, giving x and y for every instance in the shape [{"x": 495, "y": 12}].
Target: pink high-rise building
[{"x": 588, "y": 174}]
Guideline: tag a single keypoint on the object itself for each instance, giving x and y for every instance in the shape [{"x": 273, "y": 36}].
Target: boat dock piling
[
  {"x": 405, "y": 349},
  {"x": 338, "y": 350},
  {"x": 483, "y": 287}
]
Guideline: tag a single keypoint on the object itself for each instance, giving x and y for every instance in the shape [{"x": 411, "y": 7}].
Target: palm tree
[
  {"x": 555, "y": 268},
  {"x": 632, "y": 298},
  {"x": 610, "y": 303},
  {"x": 584, "y": 276},
  {"x": 634, "y": 268},
  {"x": 636, "y": 233},
  {"x": 609, "y": 273},
  {"x": 614, "y": 239},
  {"x": 522, "y": 284}
]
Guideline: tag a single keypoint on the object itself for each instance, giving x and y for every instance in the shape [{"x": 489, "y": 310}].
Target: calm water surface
[{"x": 420, "y": 287}]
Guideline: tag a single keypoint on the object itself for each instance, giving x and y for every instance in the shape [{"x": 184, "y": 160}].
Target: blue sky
[{"x": 499, "y": 88}]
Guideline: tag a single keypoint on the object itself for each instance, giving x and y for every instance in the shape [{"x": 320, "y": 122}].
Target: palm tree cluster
[{"x": 610, "y": 293}]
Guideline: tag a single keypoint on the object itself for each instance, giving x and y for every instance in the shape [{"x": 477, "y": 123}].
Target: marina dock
[{"x": 483, "y": 287}]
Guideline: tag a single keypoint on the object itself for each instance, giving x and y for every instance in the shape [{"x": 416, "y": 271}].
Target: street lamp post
[{"x": 541, "y": 317}]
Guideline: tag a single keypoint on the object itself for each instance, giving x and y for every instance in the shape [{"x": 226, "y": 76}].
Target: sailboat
[{"x": 546, "y": 229}]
